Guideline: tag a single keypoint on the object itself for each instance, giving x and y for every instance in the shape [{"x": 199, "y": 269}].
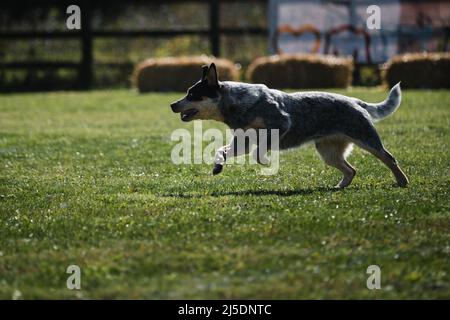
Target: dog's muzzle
[{"x": 175, "y": 107}]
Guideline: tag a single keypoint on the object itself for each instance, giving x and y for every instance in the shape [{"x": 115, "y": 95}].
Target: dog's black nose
[{"x": 174, "y": 107}]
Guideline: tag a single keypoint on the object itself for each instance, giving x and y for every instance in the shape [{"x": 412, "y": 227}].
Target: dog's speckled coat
[{"x": 333, "y": 121}]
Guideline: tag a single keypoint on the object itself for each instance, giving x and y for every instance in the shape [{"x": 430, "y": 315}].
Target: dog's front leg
[
  {"x": 220, "y": 158},
  {"x": 230, "y": 150},
  {"x": 259, "y": 154}
]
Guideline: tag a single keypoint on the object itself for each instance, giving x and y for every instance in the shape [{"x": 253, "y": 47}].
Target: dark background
[{"x": 38, "y": 52}]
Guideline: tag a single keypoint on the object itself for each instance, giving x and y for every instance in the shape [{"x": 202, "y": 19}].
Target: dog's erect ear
[
  {"x": 205, "y": 72},
  {"x": 212, "y": 76}
]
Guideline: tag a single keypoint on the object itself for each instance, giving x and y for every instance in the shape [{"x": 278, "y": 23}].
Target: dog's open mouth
[{"x": 188, "y": 114}]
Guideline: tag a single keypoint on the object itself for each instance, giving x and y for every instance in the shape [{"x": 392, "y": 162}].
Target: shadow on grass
[{"x": 281, "y": 193}]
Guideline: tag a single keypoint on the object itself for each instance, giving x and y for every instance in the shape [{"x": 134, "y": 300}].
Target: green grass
[{"x": 87, "y": 179}]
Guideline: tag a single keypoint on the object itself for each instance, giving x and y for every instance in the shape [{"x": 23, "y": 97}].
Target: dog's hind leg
[
  {"x": 387, "y": 158},
  {"x": 372, "y": 143},
  {"x": 333, "y": 151}
]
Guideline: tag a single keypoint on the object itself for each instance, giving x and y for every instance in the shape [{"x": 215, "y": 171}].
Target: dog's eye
[{"x": 192, "y": 96}]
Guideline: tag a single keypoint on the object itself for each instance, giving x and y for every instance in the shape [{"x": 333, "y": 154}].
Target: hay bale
[
  {"x": 419, "y": 70},
  {"x": 177, "y": 73},
  {"x": 302, "y": 71}
]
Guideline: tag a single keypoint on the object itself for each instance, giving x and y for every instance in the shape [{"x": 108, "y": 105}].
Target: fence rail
[
  {"x": 86, "y": 35},
  {"x": 84, "y": 68}
]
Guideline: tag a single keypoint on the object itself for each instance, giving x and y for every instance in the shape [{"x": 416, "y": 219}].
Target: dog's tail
[{"x": 383, "y": 109}]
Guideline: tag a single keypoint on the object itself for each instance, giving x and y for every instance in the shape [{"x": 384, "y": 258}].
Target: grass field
[{"x": 87, "y": 179}]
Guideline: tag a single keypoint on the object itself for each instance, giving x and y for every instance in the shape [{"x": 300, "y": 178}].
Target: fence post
[
  {"x": 85, "y": 72},
  {"x": 446, "y": 37},
  {"x": 214, "y": 36}
]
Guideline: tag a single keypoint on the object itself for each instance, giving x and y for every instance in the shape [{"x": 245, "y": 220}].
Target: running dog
[{"x": 332, "y": 121}]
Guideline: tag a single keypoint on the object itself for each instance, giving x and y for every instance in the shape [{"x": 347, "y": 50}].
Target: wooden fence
[
  {"x": 86, "y": 34},
  {"x": 84, "y": 68}
]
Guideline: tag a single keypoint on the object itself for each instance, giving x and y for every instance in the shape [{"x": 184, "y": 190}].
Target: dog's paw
[
  {"x": 217, "y": 169},
  {"x": 403, "y": 183},
  {"x": 402, "y": 180}
]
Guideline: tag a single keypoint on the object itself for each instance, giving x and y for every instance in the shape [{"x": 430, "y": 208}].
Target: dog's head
[{"x": 202, "y": 99}]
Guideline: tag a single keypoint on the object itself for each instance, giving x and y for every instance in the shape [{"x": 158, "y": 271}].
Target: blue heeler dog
[{"x": 333, "y": 122}]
